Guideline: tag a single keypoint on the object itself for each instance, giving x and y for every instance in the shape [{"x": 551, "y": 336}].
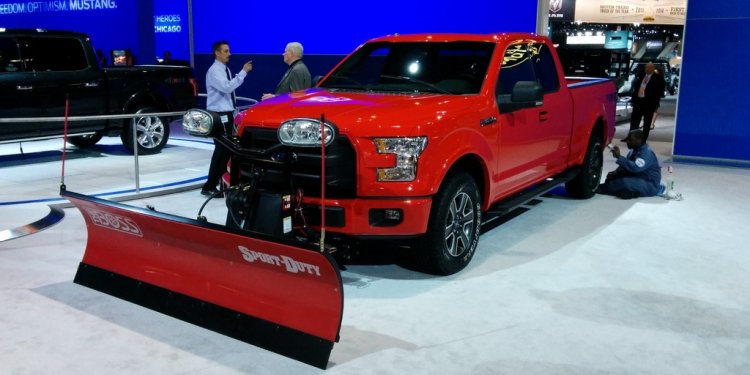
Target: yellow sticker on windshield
[{"x": 518, "y": 53}]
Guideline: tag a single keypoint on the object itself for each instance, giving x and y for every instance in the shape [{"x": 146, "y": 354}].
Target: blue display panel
[
  {"x": 710, "y": 121},
  {"x": 171, "y": 29},
  {"x": 111, "y": 24},
  {"x": 337, "y": 27}
]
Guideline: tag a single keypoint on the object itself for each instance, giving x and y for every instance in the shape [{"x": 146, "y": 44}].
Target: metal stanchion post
[
  {"x": 135, "y": 154},
  {"x": 131, "y": 116}
]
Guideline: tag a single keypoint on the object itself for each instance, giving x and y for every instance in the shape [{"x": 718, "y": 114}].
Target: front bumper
[
  {"x": 354, "y": 217},
  {"x": 346, "y": 213}
]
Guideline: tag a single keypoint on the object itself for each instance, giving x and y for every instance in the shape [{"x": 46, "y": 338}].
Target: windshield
[{"x": 450, "y": 68}]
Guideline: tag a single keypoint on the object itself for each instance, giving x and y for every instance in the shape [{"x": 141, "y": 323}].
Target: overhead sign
[
  {"x": 658, "y": 12},
  {"x": 167, "y": 23},
  {"x": 28, "y": 7},
  {"x": 562, "y": 10}
]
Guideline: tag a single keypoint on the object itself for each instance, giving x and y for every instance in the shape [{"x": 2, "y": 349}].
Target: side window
[
  {"x": 10, "y": 60},
  {"x": 57, "y": 54},
  {"x": 516, "y": 66},
  {"x": 546, "y": 71}
]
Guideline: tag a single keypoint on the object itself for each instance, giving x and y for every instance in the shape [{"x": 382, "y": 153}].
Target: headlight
[
  {"x": 407, "y": 151},
  {"x": 198, "y": 122},
  {"x": 304, "y": 132}
]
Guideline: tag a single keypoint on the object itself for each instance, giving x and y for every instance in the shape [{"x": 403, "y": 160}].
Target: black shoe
[
  {"x": 210, "y": 192},
  {"x": 627, "y": 194}
]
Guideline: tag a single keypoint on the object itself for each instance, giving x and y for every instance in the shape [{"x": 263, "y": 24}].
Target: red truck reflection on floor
[{"x": 426, "y": 132}]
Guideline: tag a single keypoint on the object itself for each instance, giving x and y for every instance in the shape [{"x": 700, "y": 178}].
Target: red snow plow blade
[{"x": 268, "y": 292}]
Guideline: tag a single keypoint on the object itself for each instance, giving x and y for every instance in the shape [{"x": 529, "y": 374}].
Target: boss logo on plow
[
  {"x": 291, "y": 265},
  {"x": 115, "y": 222}
]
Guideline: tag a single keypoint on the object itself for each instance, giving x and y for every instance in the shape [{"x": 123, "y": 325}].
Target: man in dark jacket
[
  {"x": 638, "y": 174},
  {"x": 297, "y": 77},
  {"x": 648, "y": 89}
]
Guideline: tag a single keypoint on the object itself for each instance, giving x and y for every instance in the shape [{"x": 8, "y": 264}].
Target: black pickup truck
[{"x": 39, "y": 68}]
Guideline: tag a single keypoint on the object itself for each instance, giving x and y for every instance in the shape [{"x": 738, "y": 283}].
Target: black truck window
[
  {"x": 10, "y": 60},
  {"x": 528, "y": 62},
  {"x": 55, "y": 54},
  {"x": 516, "y": 66},
  {"x": 546, "y": 71},
  {"x": 456, "y": 68}
]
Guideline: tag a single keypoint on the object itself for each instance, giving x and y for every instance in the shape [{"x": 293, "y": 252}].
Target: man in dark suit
[{"x": 648, "y": 89}]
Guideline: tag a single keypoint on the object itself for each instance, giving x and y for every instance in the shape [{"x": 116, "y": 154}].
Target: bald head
[
  {"x": 292, "y": 52},
  {"x": 650, "y": 67}
]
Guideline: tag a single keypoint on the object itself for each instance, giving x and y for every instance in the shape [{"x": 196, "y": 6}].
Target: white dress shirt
[{"x": 219, "y": 88}]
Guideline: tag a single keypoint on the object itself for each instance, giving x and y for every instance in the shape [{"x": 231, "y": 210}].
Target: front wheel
[
  {"x": 152, "y": 133},
  {"x": 584, "y": 184},
  {"x": 453, "y": 230}
]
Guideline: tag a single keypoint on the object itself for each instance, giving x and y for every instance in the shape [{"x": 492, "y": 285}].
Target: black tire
[
  {"x": 584, "y": 185},
  {"x": 453, "y": 230},
  {"x": 152, "y": 133},
  {"x": 83, "y": 141}
]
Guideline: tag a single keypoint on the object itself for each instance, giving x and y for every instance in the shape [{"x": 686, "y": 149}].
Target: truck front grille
[{"x": 303, "y": 164}]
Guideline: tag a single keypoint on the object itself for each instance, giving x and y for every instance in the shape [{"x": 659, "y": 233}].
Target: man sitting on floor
[{"x": 638, "y": 174}]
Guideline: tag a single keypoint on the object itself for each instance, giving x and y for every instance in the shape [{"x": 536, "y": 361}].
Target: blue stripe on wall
[{"x": 267, "y": 70}]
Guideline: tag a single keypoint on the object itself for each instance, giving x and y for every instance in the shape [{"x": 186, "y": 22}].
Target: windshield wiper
[
  {"x": 347, "y": 79},
  {"x": 410, "y": 79}
]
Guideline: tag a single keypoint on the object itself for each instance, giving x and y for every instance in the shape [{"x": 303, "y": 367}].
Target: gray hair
[{"x": 296, "y": 48}]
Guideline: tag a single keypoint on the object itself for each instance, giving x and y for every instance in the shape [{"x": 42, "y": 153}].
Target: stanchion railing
[{"x": 21, "y": 120}]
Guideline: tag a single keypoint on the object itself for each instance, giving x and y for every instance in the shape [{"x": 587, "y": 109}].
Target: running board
[{"x": 514, "y": 201}]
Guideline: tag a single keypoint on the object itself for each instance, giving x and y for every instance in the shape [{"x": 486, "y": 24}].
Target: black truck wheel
[
  {"x": 584, "y": 185},
  {"x": 453, "y": 230},
  {"x": 152, "y": 133},
  {"x": 83, "y": 141}
]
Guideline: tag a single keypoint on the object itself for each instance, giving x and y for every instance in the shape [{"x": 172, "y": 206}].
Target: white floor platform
[{"x": 601, "y": 286}]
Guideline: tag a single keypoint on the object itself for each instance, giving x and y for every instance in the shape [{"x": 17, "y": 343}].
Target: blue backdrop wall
[
  {"x": 111, "y": 24},
  {"x": 711, "y": 122},
  {"x": 259, "y": 31},
  {"x": 329, "y": 30}
]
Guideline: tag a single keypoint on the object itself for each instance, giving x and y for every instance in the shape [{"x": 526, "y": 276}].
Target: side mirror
[
  {"x": 526, "y": 94},
  {"x": 316, "y": 80}
]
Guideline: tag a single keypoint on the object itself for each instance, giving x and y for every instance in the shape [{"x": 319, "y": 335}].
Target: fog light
[
  {"x": 391, "y": 214},
  {"x": 386, "y": 217}
]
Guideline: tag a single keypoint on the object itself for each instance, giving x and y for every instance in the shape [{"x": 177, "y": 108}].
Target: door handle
[
  {"x": 24, "y": 88},
  {"x": 92, "y": 84},
  {"x": 543, "y": 116}
]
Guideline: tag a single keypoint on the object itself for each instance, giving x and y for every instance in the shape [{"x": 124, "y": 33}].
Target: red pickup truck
[
  {"x": 413, "y": 138},
  {"x": 423, "y": 134}
]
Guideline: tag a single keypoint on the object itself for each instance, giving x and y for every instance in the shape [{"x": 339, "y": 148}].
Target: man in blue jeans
[{"x": 638, "y": 174}]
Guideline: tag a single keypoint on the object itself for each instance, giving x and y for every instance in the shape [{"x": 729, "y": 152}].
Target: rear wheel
[
  {"x": 152, "y": 133},
  {"x": 83, "y": 141},
  {"x": 453, "y": 231},
  {"x": 584, "y": 185}
]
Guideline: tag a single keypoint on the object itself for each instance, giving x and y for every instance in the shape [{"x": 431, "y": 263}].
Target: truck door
[
  {"x": 530, "y": 139},
  {"x": 556, "y": 114},
  {"x": 16, "y": 96},
  {"x": 63, "y": 67}
]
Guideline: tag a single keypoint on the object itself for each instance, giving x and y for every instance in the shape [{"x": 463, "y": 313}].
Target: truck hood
[{"x": 360, "y": 113}]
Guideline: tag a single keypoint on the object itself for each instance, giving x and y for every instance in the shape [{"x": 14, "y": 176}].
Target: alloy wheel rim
[
  {"x": 150, "y": 131},
  {"x": 595, "y": 167},
  {"x": 459, "y": 225}
]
